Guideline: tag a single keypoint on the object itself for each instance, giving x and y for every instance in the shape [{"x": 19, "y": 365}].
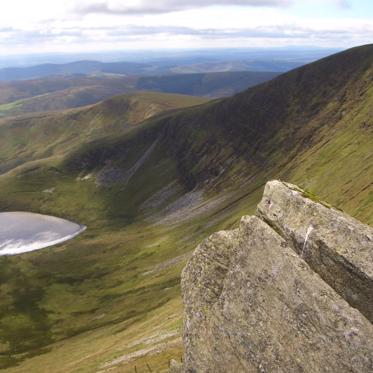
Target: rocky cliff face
[{"x": 290, "y": 290}]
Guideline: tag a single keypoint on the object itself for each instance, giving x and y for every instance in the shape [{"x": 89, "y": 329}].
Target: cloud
[
  {"x": 136, "y": 7},
  {"x": 284, "y": 32},
  {"x": 199, "y": 28},
  {"x": 133, "y": 33},
  {"x": 14, "y": 37}
]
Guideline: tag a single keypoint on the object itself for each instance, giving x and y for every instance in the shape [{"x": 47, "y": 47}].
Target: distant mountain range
[
  {"x": 70, "y": 91},
  {"x": 179, "y": 63},
  {"x": 79, "y": 67}
]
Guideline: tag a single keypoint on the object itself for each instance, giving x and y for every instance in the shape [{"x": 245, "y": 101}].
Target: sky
[{"x": 48, "y": 26}]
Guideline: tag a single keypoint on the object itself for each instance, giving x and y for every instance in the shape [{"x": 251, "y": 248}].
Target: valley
[{"x": 151, "y": 175}]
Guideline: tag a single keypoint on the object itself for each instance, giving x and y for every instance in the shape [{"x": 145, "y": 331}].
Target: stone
[
  {"x": 254, "y": 304},
  {"x": 176, "y": 367},
  {"x": 337, "y": 247}
]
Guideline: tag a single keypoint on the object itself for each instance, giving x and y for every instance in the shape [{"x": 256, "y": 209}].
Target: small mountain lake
[{"x": 22, "y": 232}]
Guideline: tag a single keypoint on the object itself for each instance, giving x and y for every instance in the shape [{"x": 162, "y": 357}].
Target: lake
[{"x": 22, "y": 232}]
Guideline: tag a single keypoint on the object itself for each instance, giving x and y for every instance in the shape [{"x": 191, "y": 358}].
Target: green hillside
[
  {"x": 149, "y": 192},
  {"x": 52, "y": 135}
]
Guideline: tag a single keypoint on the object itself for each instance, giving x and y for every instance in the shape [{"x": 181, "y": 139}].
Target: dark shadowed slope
[
  {"x": 313, "y": 124},
  {"x": 207, "y": 84}
]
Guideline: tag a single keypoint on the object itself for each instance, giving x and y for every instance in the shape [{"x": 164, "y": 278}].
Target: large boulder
[{"x": 253, "y": 304}]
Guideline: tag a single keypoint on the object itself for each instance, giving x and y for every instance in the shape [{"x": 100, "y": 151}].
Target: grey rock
[
  {"x": 176, "y": 367},
  {"x": 336, "y": 246},
  {"x": 253, "y": 304}
]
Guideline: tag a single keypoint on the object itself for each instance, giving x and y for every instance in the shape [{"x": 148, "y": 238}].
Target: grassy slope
[
  {"x": 312, "y": 125},
  {"x": 98, "y": 296},
  {"x": 51, "y": 135},
  {"x": 99, "y": 280}
]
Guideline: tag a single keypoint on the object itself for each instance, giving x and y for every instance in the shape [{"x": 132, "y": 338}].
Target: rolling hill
[
  {"x": 50, "y": 135},
  {"x": 157, "y": 67},
  {"x": 149, "y": 192},
  {"x": 162, "y": 62},
  {"x": 22, "y": 89},
  {"x": 59, "y": 92},
  {"x": 65, "y": 92},
  {"x": 78, "y": 67}
]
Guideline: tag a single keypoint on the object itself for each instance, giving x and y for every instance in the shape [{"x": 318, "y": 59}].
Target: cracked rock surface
[{"x": 288, "y": 291}]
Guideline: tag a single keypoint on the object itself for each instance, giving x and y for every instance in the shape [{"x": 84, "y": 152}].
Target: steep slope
[
  {"x": 310, "y": 125},
  {"x": 109, "y": 301}
]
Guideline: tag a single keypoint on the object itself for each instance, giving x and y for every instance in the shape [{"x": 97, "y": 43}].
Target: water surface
[{"x": 21, "y": 232}]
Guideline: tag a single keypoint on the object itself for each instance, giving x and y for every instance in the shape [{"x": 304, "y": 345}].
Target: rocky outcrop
[{"x": 288, "y": 291}]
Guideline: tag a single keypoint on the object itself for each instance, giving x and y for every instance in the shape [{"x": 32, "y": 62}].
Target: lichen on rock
[
  {"x": 256, "y": 302},
  {"x": 335, "y": 245}
]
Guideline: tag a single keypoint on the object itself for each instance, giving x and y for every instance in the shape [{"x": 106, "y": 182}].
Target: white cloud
[
  {"x": 165, "y": 6},
  {"x": 138, "y": 37},
  {"x": 72, "y": 25}
]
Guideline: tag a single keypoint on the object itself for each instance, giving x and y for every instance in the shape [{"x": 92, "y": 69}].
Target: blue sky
[
  {"x": 358, "y": 9},
  {"x": 40, "y": 26}
]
